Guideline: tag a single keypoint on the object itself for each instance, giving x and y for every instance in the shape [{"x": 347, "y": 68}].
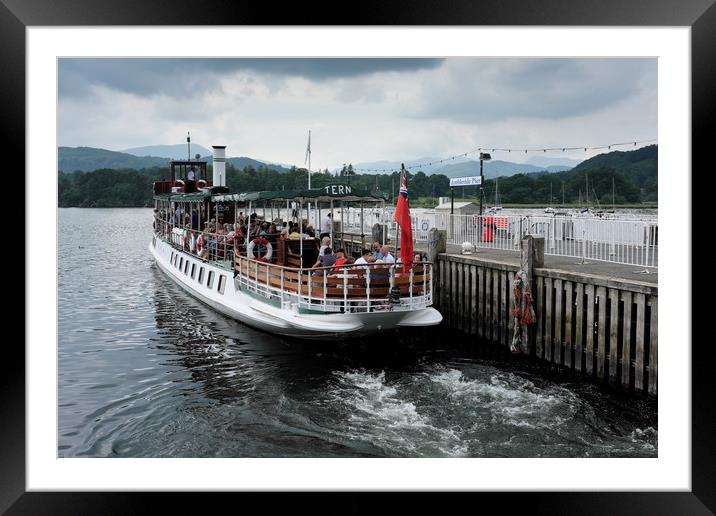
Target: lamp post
[{"x": 483, "y": 157}]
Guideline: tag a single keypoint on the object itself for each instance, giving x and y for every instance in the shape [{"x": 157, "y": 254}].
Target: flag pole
[
  {"x": 308, "y": 155},
  {"x": 397, "y": 224}
]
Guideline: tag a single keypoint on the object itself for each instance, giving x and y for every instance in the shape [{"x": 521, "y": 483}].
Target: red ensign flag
[{"x": 402, "y": 217}]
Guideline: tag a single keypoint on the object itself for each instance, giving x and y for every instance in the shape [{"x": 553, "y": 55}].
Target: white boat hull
[{"x": 252, "y": 311}]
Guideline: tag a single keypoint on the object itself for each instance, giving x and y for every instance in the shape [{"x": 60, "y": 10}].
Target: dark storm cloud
[
  {"x": 142, "y": 76},
  {"x": 493, "y": 89}
]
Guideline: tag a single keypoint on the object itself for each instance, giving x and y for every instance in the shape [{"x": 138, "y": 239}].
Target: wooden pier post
[
  {"x": 437, "y": 243},
  {"x": 531, "y": 258}
]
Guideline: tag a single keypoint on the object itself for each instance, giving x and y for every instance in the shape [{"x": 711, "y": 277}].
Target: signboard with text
[{"x": 466, "y": 181}]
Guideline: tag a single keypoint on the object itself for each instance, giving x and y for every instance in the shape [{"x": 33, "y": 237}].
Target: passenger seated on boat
[
  {"x": 365, "y": 257},
  {"x": 385, "y": 255},
  {"x": 284, "y": 234},
  {"x": 293, "y": 233},
  {"x": 310, "y": 232},
  {"x": 327, "y": 259},
  {"x": 376, "y": 250},
  {"x": 325, "y": 244},
  {"x": 340, "y": 258},
  {"x": 378, "y": 275}
]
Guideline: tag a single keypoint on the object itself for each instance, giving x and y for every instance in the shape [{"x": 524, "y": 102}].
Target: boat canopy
[
  {"x": 327, "y": 193},
  {"x": 184, "y": 197}
]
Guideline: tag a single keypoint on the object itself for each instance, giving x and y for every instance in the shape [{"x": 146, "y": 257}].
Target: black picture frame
[{"x": 700, "y": 15}]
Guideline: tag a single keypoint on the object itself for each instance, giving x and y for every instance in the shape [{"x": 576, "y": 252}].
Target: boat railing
[
  {"x": 216, "y": 247},
  {"x": 340, "y": 288}
]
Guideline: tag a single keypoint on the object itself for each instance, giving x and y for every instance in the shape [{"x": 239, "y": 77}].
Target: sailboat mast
[
  {"x": 613, "y": 203},
  {"x": 586, "y": 199}
]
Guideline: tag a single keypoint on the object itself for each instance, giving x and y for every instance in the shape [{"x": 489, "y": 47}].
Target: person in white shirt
[
  {"x": 190, "y": 181},
  {"x": 363, "y": 260},
  {"x": 385, "y": 255},
  {"x": 325, "y": 244},
  {"x": 326, "y": 224}
]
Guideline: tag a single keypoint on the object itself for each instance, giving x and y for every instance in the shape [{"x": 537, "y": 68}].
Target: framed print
[{"x": 87, "y": 74}]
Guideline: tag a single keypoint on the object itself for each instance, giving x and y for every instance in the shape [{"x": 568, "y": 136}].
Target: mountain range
[
  {"x": 168, "y": 151},
  {"x": 87, "y": 159},
  {"x": 463, "y": 166}
]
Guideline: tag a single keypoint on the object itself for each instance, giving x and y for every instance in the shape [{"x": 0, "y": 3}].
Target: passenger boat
[{"x": 205, "y": 240}]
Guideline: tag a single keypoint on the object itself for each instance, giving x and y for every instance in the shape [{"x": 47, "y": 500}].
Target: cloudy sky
[{"x": 358, "y": 110}]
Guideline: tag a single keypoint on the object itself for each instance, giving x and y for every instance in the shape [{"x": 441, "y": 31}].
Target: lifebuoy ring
[
  {"x": 260, "y": 241},
  {"x": 201, "y": 184},
  {"x": 200, "y": 244}
]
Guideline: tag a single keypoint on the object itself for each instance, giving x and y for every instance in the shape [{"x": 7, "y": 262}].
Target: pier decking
[{"x": 596, "y": 319}]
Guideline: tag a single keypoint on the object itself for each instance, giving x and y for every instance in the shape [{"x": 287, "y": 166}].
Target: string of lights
[{"x": 510, "y": 150}]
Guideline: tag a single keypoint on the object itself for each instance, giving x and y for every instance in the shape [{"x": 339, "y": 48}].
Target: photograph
[
  {"x": 415, "y": 255},
  {"x": 357, "y": 257}
]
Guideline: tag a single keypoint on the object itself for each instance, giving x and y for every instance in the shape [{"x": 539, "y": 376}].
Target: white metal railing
[
  {"x": 344, "y": 288},
  {"x": 214, "y": 244},
  {"x": 632, "y": 242}
]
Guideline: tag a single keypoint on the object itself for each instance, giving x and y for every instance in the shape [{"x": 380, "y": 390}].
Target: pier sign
[{"x": 465, "y": 181}]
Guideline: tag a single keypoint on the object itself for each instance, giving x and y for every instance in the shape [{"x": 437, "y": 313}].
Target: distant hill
[
  {"x": 463, "y": 166},
  {"x": 395, "y": 165},
  {"x": 643, "y": 160},
  {"x": 495, "y": 168},
  {"x": 178, "y": 151},
  {"x": 87, "y": 159},
  {"x": 549, "y": 161},
  {"x": 243, "y": 162}
]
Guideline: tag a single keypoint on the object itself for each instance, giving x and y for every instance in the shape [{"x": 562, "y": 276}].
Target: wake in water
[{"x": 476, "y": 412}]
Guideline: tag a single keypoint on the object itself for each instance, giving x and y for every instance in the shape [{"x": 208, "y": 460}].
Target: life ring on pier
[
  {"x": 200, "y": 244},
  {"x": 260, "y": 241}
]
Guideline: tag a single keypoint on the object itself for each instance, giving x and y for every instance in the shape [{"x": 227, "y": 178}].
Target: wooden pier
[
  {"x": 597, "y": 320},
  {"x": 589, "y": 324}
]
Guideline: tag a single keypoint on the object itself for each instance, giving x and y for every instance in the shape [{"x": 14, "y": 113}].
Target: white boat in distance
[{"x": 213, "y": 244}]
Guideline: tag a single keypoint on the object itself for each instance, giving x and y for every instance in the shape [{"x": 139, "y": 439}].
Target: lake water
[{"x": 145, "y": 370}]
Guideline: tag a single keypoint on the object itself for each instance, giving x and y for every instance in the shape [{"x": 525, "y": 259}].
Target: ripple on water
[{"x": 147, "y": 371}]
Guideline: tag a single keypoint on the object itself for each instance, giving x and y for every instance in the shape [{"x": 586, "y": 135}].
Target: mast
[
  {"x": 188, "y": 146},
  {"x": 308, "y": 157},
  {"x": 550, "y": 193},
  {"x": 586, "y": 191},
  {"x": 613, "y": 203},
  {"x": 562, "y": 194}
]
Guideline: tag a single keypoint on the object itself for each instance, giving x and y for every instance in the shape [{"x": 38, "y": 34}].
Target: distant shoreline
[{"x": 506, "y": 206}]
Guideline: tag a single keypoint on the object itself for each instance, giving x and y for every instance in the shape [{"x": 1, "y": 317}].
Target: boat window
[
  {"x": 186, "y": 266},
  {"x": 210, "y": 280},
  {"x": 193, "y": 270},
  {"x": 171, "y": 258},
  {"x": 222, "y": 284},
  {"x": 201, "y": 274},
  {"x": 181, "y": 262}
]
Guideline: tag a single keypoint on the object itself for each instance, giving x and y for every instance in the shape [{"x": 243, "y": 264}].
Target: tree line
[{"x": 133, "y": 188}]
